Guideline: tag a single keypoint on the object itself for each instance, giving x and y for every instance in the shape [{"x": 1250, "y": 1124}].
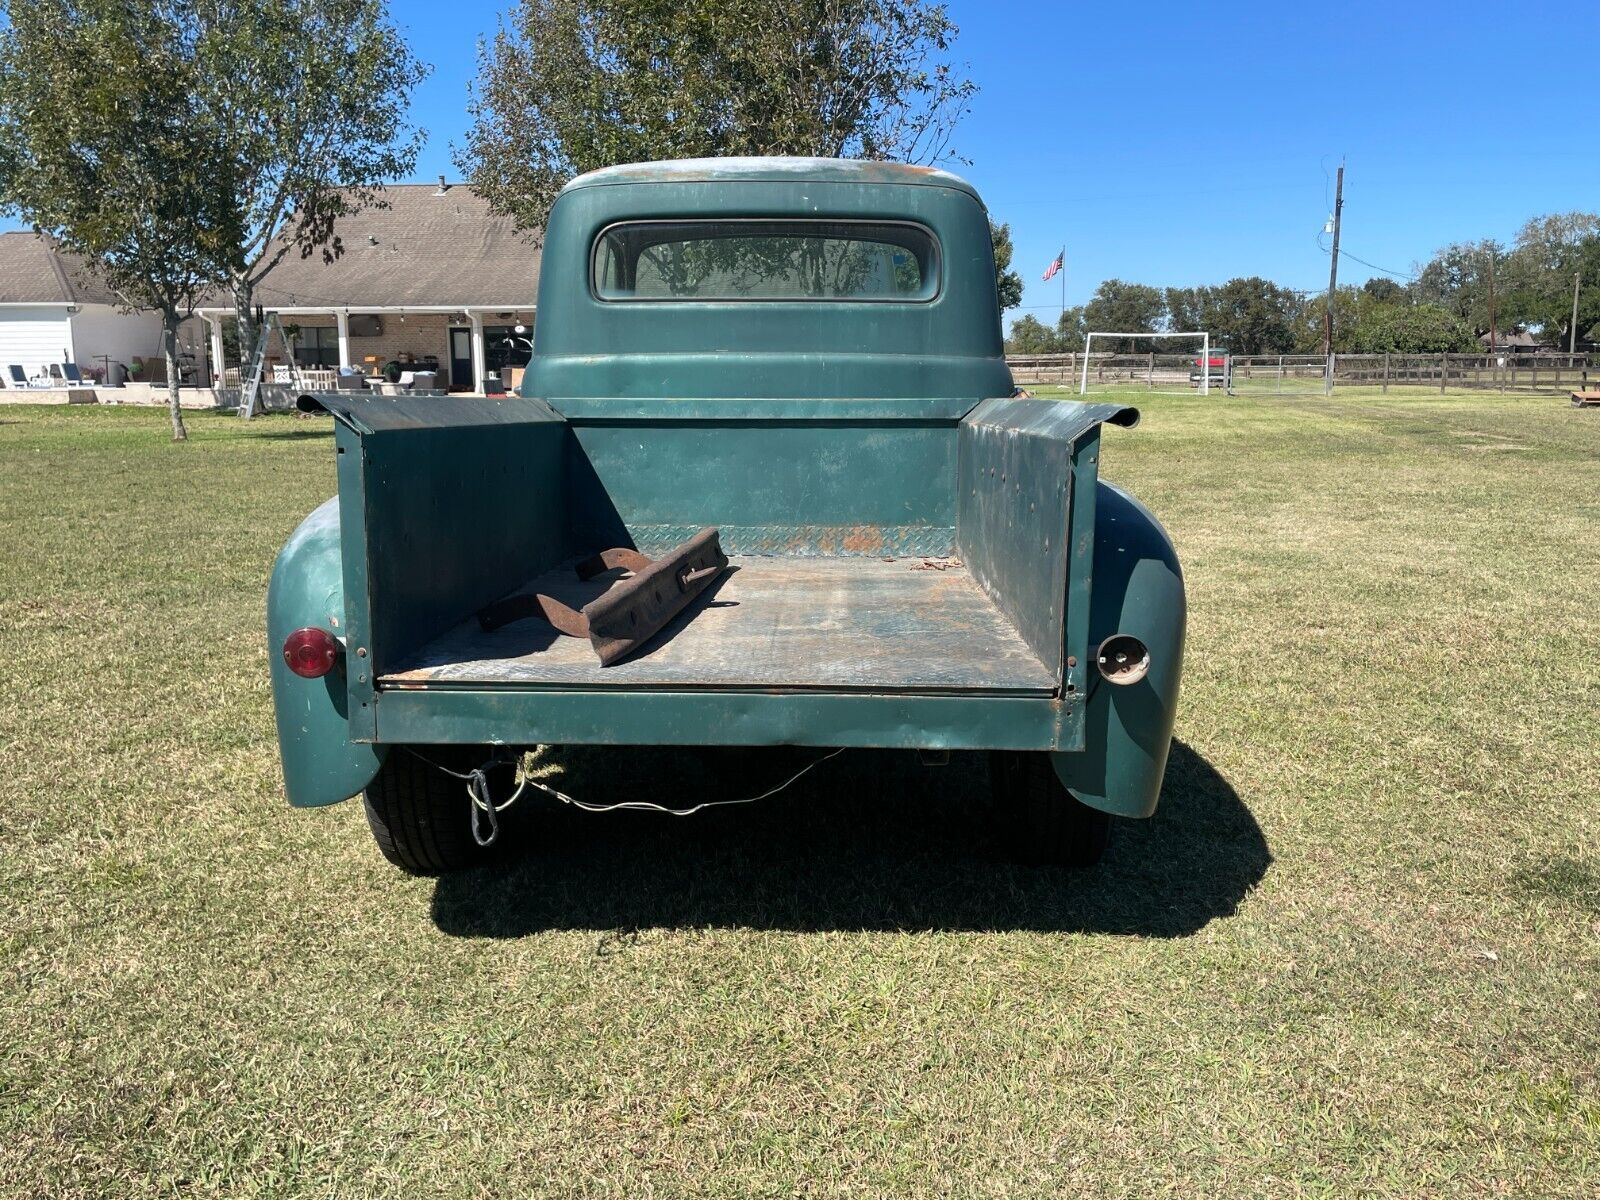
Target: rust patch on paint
[{"x": 863, "y": 539}]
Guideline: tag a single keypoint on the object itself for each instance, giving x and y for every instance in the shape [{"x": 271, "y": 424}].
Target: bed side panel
[{"x": 456, "y": 504}]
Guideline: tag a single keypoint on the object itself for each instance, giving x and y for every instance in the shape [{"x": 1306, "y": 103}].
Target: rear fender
[
  {"x": 1138, "y": 590},
  {"x": 321, "y": 765}
]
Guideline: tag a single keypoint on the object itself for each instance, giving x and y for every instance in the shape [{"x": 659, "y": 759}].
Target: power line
[{"x": 1343, "y": 253}]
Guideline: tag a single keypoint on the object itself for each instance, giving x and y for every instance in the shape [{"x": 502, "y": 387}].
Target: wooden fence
[{"x": 1301, "y": 373}]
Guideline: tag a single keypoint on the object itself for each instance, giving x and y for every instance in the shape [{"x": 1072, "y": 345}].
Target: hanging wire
[{"x": 485, "y": 812}]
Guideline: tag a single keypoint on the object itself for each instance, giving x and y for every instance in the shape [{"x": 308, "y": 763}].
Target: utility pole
[
  {"x": 1333, "y": 269},
  {"x": 1491, "y": 299},
  {"x": 1572, "y": 330}
]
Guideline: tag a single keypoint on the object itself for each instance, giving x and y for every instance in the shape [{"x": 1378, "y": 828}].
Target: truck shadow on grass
[{"x": 871, "y": 840}]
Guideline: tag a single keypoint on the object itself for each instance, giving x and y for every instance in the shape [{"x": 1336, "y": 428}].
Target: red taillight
[{"x": 310, "y": 652}]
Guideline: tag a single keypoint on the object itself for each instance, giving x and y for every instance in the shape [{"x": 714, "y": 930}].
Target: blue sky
[{"x": 1182, "y": 144}]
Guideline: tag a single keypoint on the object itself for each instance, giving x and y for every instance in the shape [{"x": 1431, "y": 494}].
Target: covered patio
[
  {"x": 466, "y": 347},
  {"x": 429, "y": 281}
]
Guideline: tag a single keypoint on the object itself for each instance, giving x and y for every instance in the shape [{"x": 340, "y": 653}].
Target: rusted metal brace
[{"x": 632, "y": 610}]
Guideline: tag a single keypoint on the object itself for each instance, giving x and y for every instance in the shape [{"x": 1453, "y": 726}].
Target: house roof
[
  {"x": 428, "y": 247},
  {"x": 1513, "y": 339},
  {"x": 34, "y": 271}
]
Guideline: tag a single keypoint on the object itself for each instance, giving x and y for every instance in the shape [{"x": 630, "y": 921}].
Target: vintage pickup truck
[{"x": 805, "y": 355}]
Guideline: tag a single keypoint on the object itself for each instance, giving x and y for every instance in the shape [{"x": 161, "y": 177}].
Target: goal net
[
  {"x": 1167, "y": 363},
  {"x": 1279, "y": 375}
]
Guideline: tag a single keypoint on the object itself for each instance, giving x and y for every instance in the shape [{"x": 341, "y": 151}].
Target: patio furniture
[
  {"x": 150, "y": 370},
  {"x": 67, "y": 375},
  {"x": 21, "y": 379}
]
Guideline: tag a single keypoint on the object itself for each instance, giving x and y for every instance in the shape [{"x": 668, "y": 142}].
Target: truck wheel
[
  {"x": 1043, "y": 823},
  {"x": 419, "y": 815}
]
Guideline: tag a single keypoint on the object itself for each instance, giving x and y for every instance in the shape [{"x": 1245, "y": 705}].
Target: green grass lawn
[{"x": 1357, "y": 952}]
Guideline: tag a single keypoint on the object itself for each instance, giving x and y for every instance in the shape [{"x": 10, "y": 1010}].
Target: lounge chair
[
  {"x": 21, "y": 379},
  {"x": 66, "y": 375}
]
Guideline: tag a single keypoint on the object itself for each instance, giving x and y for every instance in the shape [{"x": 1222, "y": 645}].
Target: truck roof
[{"x": 772, "y": 170}]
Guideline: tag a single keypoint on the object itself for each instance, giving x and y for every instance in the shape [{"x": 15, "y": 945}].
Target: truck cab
[{"x": 806, "y": 357}]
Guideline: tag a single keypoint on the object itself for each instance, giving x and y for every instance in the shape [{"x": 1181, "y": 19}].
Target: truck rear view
[{"x": 805, "y": 357}]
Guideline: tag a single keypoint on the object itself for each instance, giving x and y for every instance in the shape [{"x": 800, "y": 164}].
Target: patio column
[
  {"x": 219, "y": 360},
  {"x": 478, "y": 358},
  {"x": 343, "y": 318}
]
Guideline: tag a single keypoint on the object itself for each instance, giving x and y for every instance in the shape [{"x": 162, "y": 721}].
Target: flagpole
[{"x": 1063, "y": 257}]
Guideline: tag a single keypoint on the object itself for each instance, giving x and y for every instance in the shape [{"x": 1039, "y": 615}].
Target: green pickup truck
[{"x": 768, "y": 482}]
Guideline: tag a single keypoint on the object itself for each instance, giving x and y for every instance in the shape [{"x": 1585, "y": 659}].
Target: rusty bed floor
[{"x": 814, "y": 624}]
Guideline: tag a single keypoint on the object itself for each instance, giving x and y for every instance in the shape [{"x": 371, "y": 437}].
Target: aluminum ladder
[{"x": 250, "y": 380}]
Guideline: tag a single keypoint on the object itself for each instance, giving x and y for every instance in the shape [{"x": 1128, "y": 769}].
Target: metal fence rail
[{"x": 1278, "y": 374}]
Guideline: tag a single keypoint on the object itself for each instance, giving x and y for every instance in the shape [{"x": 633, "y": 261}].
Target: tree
[
  {"x": 1070, "y": 330},
  {"x": 1118, "y": 307},
  {"x": 1411, "y": 329},
  {"x": 567, "y": 86},
  {"x": 1457, "y": 277},
  {"x": 1246, "y": 316},
  {"x": 104, "y": 149},
  {"x": 261, "y": 123},
  {"x": 309, "y": 98},
  {"x": 1348, "y": 304},
  {"x": 1188, "y": 307},
  {"x": 1386, "y": 291},
  {"x": 1006, "y": 281},
  {"x": 1538, "y": 275},
  {"x": 1029, "y": 335}
]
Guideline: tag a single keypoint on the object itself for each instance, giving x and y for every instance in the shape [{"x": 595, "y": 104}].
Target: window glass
[
  {"x": 766, "y": 260},
  {"x": 503, "y": 346},
  {"x": 317, "y": 346}
]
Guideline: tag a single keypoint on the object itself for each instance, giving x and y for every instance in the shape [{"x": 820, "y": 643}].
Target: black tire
[
  {"x": 420, "y": 816},
  {"x": 1044, "y": 824}
]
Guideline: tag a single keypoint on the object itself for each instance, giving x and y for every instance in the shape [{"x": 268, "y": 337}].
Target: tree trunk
[
  {"x": 169, "y": 327},
  {"x": 244, "y": 295}
]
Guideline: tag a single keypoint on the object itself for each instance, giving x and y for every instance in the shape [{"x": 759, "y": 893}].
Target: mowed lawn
[{"x": 1356, "y": 953}]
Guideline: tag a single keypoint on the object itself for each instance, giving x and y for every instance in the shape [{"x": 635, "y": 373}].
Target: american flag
[{"x": 1060, "y": 261}]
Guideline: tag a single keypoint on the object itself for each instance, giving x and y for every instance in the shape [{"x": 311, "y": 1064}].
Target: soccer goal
[{"x": 1118, "y": 364}]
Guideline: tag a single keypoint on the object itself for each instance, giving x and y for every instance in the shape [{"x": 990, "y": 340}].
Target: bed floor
[{"x": 808, "y": 624}]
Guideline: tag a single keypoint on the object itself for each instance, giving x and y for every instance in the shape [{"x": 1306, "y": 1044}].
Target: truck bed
[{"x": 856, "y": 624}]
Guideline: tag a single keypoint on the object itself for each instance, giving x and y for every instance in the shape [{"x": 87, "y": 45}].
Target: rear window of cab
[{"x": 756, "y": 260}]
